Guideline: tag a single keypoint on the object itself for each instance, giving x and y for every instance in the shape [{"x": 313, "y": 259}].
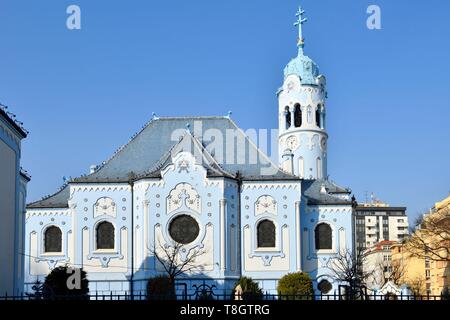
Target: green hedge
[
  {"x": 250, "y": 289},
  {"x": 61, "y": 283},
  {"x": 296, "y": 286}
]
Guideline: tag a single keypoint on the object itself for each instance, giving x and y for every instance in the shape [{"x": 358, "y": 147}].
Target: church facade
[{"x": 202, "y": 183}]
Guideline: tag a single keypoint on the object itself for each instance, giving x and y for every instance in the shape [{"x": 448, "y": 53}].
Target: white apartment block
[{"x": 375, "y": 222}]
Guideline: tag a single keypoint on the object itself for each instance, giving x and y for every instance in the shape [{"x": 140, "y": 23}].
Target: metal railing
[{"x": 211, "y": 296}]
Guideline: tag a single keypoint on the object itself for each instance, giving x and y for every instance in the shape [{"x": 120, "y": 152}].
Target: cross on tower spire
[{"x": 300, "y": 21}]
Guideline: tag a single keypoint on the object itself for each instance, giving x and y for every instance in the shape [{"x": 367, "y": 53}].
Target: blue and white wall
[
  {"x": 303, "y": 149},
  {"x": 317, "y": 262},
  {"x": 155, "y": 203},
  {"x": 279, "y": 202}
]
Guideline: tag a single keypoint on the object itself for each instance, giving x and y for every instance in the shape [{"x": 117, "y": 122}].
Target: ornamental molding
[
  {"x": 270, "y": 186},
  {"x": 44, "y": 213},
  {"x": 105, "y": 257},
  {"x": 105, "y": 206},
  {"x": 267, "y": 256},
  {"x": 183, "y": 162},
  {"x": 154, "y": 184},
  {"x": 213, "y": 183},
  {"x": 183, "y": 195},
  {"x": 327, "y": 210},
  {"x": 53, "y": 260},
  {"x": 102, "y": 188},
  {"x": 266, "y": 204}
]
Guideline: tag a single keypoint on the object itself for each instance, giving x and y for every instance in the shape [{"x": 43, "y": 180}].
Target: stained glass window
[
  {"x": 184, "y": 229},
  {"x": 53, "y": 239},
  {"x": 105, "y": 235},
  {"x": 323, "y": 236},
  {"x": 266, "y": 234},
  {"x": 324, "y": 286}
]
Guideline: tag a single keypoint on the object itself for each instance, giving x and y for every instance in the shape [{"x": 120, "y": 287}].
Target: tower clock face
[
  {"x": 323, "y": 143},
  {"x": 292, "y": 143},
  {"x": 291, "y": 85}
]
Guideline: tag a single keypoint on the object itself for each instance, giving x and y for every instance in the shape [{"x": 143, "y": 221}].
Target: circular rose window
[
  {"x": 324, "y": 286},
  {"x": 184, "y": 229}
]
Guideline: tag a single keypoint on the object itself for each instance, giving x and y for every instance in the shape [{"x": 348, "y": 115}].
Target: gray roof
[
  {"x": 315, "y": 196},
  {"x": 149, "y": 151},
  {"x": 159, "y": 136},
  {"x": 57, "y": 200}
]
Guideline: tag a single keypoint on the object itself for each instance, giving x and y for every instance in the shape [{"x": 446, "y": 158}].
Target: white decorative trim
[
  {"x": 48, "y": 212},
  {"x": 100, "y": 187},
  {"x": 105, "y": 206},
  {"x": 183, "y": 195},
  {"x": 266, "y": 204},
  {"x": 251, "y": 185}
]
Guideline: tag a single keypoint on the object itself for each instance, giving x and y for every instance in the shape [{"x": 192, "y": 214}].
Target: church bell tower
[{"x": 302, "y": 136}]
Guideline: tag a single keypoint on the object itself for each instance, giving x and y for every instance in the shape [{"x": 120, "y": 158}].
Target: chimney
[
  {"x": 92, "y": 169},
  {"x": 288, "y": 161}
]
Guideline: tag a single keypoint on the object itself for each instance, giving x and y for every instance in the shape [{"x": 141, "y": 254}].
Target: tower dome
[{"x": 302, "y": 65}]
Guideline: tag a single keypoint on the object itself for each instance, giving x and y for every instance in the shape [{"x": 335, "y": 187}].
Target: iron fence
[{"x": 211, "y": 296}]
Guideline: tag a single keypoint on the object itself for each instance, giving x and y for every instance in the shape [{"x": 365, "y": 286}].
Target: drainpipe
[
  {"x": 239, "y": 234},
  {"x": 131, "y": 183}
]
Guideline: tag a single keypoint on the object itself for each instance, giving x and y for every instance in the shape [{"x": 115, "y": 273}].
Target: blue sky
[{"x": 83, "y": 93}]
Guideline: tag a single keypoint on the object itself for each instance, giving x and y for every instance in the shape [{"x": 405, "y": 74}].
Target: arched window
[
  {"x": 323, "y": 235},
  {"x": 105, "y": 235},
  {"x": 297, "y": 116},
  {"x": 319, "y": 168},
  {"x": 266, "y": 234},
  {"x": 309, "y": 114},
  {"x": 53, "y": 239},
  {"x": 318, "y": 115},
  {"x": 287, "y": 114},
  {"x": 301, "y": 167}
]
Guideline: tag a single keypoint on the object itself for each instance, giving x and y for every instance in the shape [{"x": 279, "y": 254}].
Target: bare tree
[
  {"x": 416, "y": 285},
  {"x": 394, "y": 271},
  {"x": 431, "y": 239},
  {"x": 169, "y": 256},
  {"x": 397, "y": 272},
  {"x": 348, "y": 267}
]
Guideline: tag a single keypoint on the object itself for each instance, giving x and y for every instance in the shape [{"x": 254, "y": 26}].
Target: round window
[
  {"x": 184, "y": 229},
  {"x": 324, "y": 286}
]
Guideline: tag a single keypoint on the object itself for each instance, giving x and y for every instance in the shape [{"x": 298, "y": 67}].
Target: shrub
[
  {"x": 250, "y": 289},
  {"x": 296, "y": 286},
  {"x": 160, "y": 288},
  {"x": 59, "y": 284}
]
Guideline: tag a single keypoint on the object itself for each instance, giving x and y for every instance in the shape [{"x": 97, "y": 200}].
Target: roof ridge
[
  {"x": 205, "y": 151},
  {"x": 258, "y": 149},
  {"x": 144, "y": 127},
  {"x": 190, "y": 117},
  {"x": 159, "y": 164}
]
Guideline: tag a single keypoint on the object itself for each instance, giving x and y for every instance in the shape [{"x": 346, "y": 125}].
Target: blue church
[{"x": 203, "y": 184}]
